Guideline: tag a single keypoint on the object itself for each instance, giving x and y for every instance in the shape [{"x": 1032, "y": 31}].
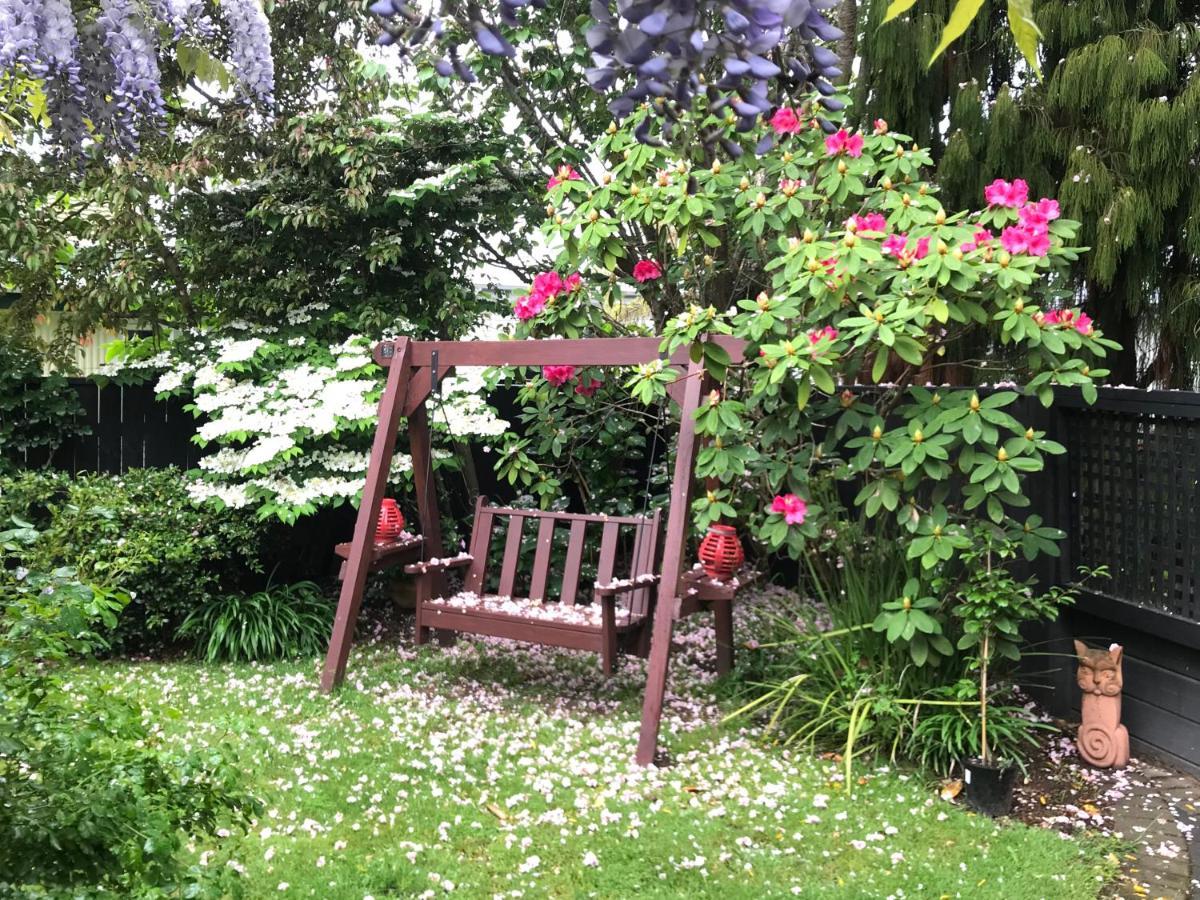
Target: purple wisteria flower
[
  {"x": 134, "y": 55},
  {"x": 101, "y": 71},
  {"x": 659, "y": 52},
  {"x": 250, "y": 47},
  {"x": 18, "y": 32}
]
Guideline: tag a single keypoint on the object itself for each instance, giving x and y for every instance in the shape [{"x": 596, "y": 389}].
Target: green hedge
[{"x": 140, "y": 532}]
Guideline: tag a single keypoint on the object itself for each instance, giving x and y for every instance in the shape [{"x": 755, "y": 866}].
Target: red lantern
[
  {"x": 391, "y": 521},
  {"x": 721, "y": 552}
]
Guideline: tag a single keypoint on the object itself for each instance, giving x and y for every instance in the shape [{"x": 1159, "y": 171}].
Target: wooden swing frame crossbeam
[{"x": 414, "y": 369}]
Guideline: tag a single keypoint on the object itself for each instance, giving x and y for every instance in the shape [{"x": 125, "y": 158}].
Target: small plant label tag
[{"x": 966, "y": 775}]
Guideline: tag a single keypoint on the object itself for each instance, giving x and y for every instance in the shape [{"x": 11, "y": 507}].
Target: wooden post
[
  {"x": 420, "y": 447},
  {"x": 391, "y": 406},
  {"x": 678, "y": 521}
]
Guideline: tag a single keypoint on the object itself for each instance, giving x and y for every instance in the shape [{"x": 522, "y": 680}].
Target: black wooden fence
[
  {"x": 1128, "y": 495},
  {"x": 127, "y": 429}
]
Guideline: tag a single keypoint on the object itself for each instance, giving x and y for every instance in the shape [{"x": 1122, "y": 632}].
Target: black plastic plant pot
[{"x": 989, "y": 788}]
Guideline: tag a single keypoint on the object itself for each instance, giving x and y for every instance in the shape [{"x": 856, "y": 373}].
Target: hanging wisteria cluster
[
  {"x": 664, "y": 52},
  {"x": 99, "y": 71}
]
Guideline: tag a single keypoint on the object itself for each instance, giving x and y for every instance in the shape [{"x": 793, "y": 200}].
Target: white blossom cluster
[{"x": 281, "y": 406}]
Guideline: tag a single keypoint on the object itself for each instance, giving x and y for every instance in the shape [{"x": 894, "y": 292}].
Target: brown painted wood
[
  {"x": 512, "y": 556},
  {"x": 570, "y": 582},
  {"x": 608, "y": 591},
  {"x": 421, "y": 384},
  {"x": 435, "y": 606},
  {"x": 358, "y": 563},
  {"x": 514, "y": 629},
  {"x": 384, "y": 556},
  {"x": 623, "y": 351},
  {"x": 644, "y": 564},
  {"x": 608, "y": 553},
  {"x": 541, "y": 558},
  {"x": 480, "y": 546},
  {"x": 420, "y": 449},
  {"x": 565, "y": 516},
  {"x": 608, "y": 635},
  {"x": 678, "y": 520}
]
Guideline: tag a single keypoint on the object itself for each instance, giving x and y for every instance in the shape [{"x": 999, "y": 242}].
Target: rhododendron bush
[
  {"x": 287, "y": 416},
  {"x": 861, "y": 299}
]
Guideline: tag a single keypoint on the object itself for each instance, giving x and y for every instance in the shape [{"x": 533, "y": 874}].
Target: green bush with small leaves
[
  {"x": 142, "y": 533},
  {"x": 90, "y": 802}
]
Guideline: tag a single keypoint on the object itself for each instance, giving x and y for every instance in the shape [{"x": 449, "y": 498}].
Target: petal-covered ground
[{"x": 496, "y": 770}]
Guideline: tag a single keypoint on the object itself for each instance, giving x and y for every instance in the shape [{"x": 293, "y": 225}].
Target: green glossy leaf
[{"x": 961, "y": 16}]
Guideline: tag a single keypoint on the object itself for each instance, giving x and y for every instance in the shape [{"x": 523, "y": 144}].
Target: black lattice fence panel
[{"x": 1133, "y": 476}]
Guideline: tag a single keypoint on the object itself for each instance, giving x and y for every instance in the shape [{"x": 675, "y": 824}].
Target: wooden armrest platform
[
  {"x": 439, "y": 565},
  {"x": 697, "y": 588},
  {"x": 384, "y": 554},
  {"x": 624, "y": 586}
]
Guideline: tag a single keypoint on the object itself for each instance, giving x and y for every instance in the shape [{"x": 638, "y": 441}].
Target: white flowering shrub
[{"x": 291, "y": 416}]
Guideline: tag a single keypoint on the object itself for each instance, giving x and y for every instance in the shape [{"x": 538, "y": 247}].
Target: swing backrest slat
[
  {"x": 512, "y": 555},
  {"x": 570, "y": 582},
  {"x": 644, "y": 556},
  {"x": 481, "y": 544},
  {"x": 608, "y": 552},
  {"x": 541, "y": 559},
  {"x": 630, "y": 541}
]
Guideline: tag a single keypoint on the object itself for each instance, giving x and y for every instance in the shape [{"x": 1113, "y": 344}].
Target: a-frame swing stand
[{"x": 413, "y": 371}]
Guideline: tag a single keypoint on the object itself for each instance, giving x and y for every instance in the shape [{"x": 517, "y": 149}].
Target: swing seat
[{"x": 514, "y": 600}]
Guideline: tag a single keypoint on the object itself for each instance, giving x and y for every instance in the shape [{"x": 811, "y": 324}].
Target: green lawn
[{"x": 489, "y": 771}]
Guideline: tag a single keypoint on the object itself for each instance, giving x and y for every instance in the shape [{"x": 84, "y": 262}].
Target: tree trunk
[
  {"x": 1114, "y": 319},
  {"x": 848, "y": 45}
]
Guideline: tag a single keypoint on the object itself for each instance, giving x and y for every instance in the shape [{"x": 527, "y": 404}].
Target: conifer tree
[{"x": 1112, "y": 130}]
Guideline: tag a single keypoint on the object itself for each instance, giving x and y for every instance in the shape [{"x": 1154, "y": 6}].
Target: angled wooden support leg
[
  {"x": 391, "y": 406},
  {"x": 678, "y": 520}
]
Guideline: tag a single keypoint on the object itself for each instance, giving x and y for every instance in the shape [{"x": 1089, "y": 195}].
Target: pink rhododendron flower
[
  {"x": 981, "y": 237},
  {"x": 1063, "y": 317},
  {"x": 789, "y": 186},
  {"x": 1084, "y": 325},
  {"x": 791, "y": 507},
  {"x": 815, "y": 336},
  {"x": 546, "y": 286},
  {"x": 1031, "y": 239},
  {"x": 558, "y": 375},
  {"x": 646, "y": 270},
  {"x": 844, "y": 142},
  {"x": 1004, "y": 193},
  {"x": 563, "y": 174},
  {"x": 529, "y": 306},
  {"x": 785, "y": 121},
  {"x": 881, "y": 126},
  {"x": 897, "y": 245},
  {"x": 870, "y": 222},
  {"x": 1039, "y": 214},
  {"x": 587, "y": 386}
]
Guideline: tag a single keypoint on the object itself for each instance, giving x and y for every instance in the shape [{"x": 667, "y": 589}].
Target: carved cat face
[{"x": 1099, "y": 670}]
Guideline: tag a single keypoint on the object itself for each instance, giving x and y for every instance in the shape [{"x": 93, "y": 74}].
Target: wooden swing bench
[
  {"x": 635, "y": 613},
  {"x": 510, "y": 603}
]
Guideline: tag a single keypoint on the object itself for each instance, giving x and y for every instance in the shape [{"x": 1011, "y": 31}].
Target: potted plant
[{"x": 992, "y": 606}]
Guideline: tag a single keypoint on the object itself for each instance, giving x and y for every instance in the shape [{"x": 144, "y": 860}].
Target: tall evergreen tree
[{"x": 1112, "y": 130}]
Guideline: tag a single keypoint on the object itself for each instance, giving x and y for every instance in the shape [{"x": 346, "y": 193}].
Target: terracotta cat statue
[{"x": 1103, "y": 740}]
